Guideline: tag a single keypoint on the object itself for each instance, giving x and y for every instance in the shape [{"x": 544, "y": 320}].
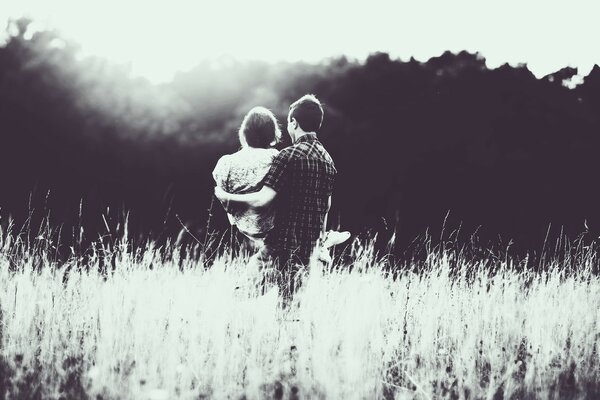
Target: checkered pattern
[{"x": 303, "y": 176}]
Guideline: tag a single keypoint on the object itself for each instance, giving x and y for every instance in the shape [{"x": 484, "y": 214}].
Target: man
[{"x": 299, "y": 184}]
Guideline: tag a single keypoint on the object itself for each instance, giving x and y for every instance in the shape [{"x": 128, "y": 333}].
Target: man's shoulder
[
  {"x": 286, "y": 151},
  {"x": 290, "y": 152},
  {"x": 304, "y": 151}
]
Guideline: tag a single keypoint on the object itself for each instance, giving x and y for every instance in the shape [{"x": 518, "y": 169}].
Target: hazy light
[
  {"x": 157, "y": 39},
  {"x": 574, "y": 81}
]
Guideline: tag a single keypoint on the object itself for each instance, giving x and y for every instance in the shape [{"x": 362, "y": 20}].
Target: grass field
[{"x": 159, "y": 325}]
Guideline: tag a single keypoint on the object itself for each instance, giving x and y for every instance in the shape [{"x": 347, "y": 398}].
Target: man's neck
[{"x": 303, "y": 134}]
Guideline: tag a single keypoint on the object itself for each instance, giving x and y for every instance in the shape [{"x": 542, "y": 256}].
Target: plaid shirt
[{"x": 303, "y": 176}]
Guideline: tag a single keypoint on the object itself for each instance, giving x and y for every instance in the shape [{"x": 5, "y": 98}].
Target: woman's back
[{"x": 243, "y": 172}]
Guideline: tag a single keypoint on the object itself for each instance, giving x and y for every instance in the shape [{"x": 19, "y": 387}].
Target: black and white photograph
[{"x": 299, "y": 199}]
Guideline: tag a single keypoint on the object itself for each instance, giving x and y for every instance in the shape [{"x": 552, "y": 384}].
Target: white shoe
[{"x": 333, "y": 238}]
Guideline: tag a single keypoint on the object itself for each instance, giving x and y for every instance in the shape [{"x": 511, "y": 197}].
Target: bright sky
[{"x": 158, "y": 38}]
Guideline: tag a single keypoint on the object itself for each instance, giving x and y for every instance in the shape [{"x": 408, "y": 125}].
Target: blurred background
[{"x": 94, "y": 128}]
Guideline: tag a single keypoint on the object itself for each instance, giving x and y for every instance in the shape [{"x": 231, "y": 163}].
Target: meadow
[{"x": 149, "y": 322}]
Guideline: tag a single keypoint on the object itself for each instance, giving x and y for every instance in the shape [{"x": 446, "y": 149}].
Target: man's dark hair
[
  {"x": 259, "y": 129},
  {"x": 308, "y": 112}
]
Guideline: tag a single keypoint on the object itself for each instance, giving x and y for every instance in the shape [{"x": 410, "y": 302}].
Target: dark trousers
[{"x": 282, "y": 268}]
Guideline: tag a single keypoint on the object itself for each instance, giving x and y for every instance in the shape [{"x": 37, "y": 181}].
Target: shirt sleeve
[
  {"x": 221, "y": 172},
  {"x": 279, "y": 173}
]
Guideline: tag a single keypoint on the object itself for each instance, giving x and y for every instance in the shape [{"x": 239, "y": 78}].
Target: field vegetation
[{"x": 148, "y": 322}]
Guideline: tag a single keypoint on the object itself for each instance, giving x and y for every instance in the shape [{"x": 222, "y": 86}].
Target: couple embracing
[{"x": 280, "y": 199}]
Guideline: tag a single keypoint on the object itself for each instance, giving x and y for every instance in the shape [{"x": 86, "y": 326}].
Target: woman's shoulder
[
  {"x": 224, "y": 159},
  {"x": 257, "y": 154},
  {"x": 223, "y": 163},
  {"x": 222, "y": 170},
  {"x": 246, "y": 159}
]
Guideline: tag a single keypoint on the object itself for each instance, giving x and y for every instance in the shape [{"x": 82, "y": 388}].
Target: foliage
[{"x": 499, "y": 149}]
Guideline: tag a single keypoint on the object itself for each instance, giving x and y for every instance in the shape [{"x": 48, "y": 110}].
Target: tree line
[{"x": 418, "y": 145}]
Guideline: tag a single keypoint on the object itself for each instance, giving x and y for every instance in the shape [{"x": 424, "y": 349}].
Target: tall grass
[{"x": 161, "y": 323}]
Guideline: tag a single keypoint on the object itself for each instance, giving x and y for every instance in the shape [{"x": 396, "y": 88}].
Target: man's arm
[
  {"x": 273, "y": 182},
  {"x": 259, "y": 199}
]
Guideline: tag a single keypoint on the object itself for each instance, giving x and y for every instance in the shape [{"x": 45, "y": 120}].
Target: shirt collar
[{"x": 307, "y": 137}]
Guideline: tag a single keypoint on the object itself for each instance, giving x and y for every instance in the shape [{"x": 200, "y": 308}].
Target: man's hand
[{"x": 221, "y": 194}]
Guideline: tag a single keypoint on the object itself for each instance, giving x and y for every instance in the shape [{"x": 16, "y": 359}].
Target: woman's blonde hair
[{"x": 259, "y": 129}]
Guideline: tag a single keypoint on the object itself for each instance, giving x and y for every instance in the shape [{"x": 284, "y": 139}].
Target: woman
[{"x": 243, "y": 171}]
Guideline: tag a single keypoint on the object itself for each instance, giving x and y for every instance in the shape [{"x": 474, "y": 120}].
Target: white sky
[{"x": 159, "y": 38}]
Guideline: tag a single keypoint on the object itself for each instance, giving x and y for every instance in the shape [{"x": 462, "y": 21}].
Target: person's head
[
  {"x": 305, "y": 115},
  {"x": 259, "y": 129}
]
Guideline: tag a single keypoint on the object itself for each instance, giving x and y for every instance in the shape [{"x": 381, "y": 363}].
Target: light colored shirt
[{"x": 243, "y": 172}]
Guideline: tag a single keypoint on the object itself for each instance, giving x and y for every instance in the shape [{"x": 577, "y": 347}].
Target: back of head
[
  {"x": 259, "y": 129},
  {"x": 308, "y": 112}
]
